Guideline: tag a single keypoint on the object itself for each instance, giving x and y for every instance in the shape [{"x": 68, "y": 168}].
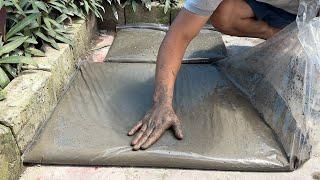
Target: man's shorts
[{"x": 274, "y": 16}]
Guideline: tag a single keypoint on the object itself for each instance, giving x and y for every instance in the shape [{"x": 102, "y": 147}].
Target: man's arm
[{"x": 162, "y": 116}]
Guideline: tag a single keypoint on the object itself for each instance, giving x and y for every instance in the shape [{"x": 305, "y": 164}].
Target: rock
[{"x": 10, "y": 163}]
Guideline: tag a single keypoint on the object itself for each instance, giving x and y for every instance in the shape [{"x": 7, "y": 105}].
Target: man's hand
[
  {"x": 162, "y": 116},
  {"x": 153, "y": 125}
]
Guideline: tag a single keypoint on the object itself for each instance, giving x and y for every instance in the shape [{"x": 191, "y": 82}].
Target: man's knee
[
  {"x": 225, "y": 16},
  {"x": 228, "y": 14}
]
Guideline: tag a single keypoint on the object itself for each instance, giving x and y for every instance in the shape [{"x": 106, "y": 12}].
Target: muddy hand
[{"x": 153, "y": 125}]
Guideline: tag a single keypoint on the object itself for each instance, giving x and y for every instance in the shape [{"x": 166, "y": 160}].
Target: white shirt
[{"x": 206, "y": 7}]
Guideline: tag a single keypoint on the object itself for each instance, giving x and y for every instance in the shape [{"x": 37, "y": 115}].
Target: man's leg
[{"x": 235, "y": 17}]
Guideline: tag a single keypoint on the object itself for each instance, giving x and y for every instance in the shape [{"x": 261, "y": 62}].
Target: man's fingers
[
  {"x": 139, "y": 135},
  {"x": 143, "y": 139},
  {"x": 177, "y": 128},
  {"x": 135, "y": 128},
  {"x": 157, "y": 133}
]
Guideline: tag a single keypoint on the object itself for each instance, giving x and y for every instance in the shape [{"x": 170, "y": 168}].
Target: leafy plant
[
  {"x": 168, "y": 4},
  {"x": 43, "y": 22},
  {"x": 135, "y": 3},
  {"x": 93, "y": 6},
  {"x": 33, "y": 23},
  {"x": 147, "y": 3}
]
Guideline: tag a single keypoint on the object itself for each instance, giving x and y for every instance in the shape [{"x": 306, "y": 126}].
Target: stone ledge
[
  {"x": 34, "y": 93},
  {"x": 29, "y": 95},
  {"x": 10, "y": 163}
]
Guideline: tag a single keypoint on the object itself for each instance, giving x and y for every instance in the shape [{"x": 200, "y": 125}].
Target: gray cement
[
  {"x": 142, "y": 45},
  {"x": 222, "y": 129},
  {"x": 309, "y": 170},
  {"x": 235, "y": 45}
]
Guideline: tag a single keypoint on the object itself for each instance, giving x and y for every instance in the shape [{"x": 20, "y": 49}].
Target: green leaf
[
  {"x": 57, "y": 8},
  {"x": 166, "y": 6},
  {"x": 72, "y": 12},
  {"x": 36, "y": 52},
  {"x": 8, "y": 3},
  {"x": 147, "y": 4},
  {"x": 3, "y": 94},
  {"x": 4, "y": 79},
  {"x": 32, "y": 11},
  {"x": 9, "y": 69},
  {"x": 56, "y": 4},
  {"x": 41, "y": 5},
  {"x": 14, "y": 38},
  {"x": 18, "y": 7},
  {"x": 97, "y": 14},
  {"x": 52, "y": 42},
  {"x": 125, "y": 4},
  {"x": 55, "y": 23},
  {"x": 1, "y": 3},
  {"x": 100, "y": 6},
  {"x": 18, "y": 59},
  {"x": 115, "y": 12},
  {"x": 134, "y": 5},
  {"x": 63, "y": 31},
  {"x": 1, "y": 42},
  {"x": 21, "y": 25},
  {"x": 63, "y": 39},
  {"x": 12, "y": 45},
  {"x": 61, "y": 18},
  {"x": 32, "y": 40},
  {"x": 34, "y": 6},
  {"x": 75, "y": 7},
  {"x": 23, "y": 3},
  {"x": 50, "y": 31},
  {"x": 47, "y": 22},
  {"x": 86, "y": 6}
]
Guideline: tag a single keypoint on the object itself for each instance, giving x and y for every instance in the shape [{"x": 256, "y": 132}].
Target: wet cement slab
[
  {"x": 142, "y": 45},
  {"x": 223, "y": 130}
]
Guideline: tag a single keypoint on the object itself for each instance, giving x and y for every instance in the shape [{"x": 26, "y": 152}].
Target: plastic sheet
[
  {"x": 141, "y": 44},
  {"x": 153, "y": 26},
  {"x": 272, "y": 76},
  {"x": 309, "y": 36},
  {"x": 276, "y": 81},
  {"x": 161, "y": 27},
  {"x": 222, "y": 129}
]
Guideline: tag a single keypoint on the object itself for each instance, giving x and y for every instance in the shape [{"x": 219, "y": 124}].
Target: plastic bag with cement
[
  {"x": 272, "y": 76},
  {"x": 309, "y": 36}
]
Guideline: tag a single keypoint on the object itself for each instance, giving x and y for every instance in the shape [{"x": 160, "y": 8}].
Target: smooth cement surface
[
  {"x": 222, "y": 129},
  {"x": 142, "y": 45}
]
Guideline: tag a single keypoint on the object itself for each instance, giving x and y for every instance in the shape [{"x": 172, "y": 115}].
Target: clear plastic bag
[{"x": 309, "y": 36}]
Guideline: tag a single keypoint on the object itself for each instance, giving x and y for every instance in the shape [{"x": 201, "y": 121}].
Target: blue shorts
[{"x": 274, "y": 16}]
